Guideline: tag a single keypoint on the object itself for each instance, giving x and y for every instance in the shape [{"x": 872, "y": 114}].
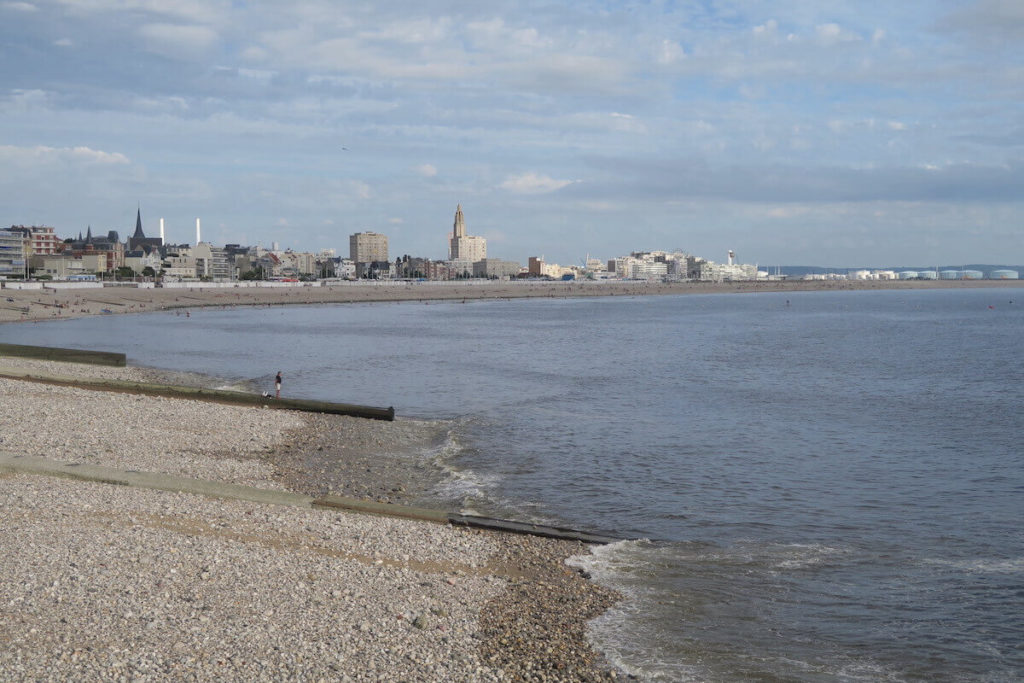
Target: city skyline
[{"x": 835, "y": 134}]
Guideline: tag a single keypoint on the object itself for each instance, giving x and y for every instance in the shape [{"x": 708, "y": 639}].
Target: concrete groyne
[
  {"x": 203, "y": 394},
  {"x": 64, "y": 355}
]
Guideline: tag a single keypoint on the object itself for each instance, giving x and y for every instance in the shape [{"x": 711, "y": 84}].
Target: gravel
[{"x": 101, "y": 582}]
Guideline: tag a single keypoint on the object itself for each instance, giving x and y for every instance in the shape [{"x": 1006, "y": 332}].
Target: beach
[
  {"x": 101, "y": 582},
  {"x": 49, "y": 303}
]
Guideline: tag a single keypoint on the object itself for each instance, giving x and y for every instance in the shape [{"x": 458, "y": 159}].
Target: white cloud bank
[{"x": 41, "y": 155}]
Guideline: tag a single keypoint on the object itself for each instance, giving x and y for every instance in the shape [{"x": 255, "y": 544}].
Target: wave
[{"x": 981, "y": 565}]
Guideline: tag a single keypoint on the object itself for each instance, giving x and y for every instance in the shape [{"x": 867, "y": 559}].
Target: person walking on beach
[{"x": 277, "y": 385}]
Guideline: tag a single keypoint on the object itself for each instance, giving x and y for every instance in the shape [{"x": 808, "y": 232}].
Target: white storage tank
[
  {"x": 1004, "y": 274},
  {"x": 908, "y": 275},
  {"x": 973, "y": 275},
  {"x": 928, "y": 275},
  {"x": 949, "y": 274}
]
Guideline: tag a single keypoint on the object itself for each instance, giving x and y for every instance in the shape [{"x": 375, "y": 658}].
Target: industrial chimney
[
  {"x": 198, "y": 239},
  {"x": 161, "y": 230}
]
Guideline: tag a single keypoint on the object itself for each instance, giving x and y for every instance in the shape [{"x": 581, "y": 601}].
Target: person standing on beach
[{"x": 277, "y": 385}]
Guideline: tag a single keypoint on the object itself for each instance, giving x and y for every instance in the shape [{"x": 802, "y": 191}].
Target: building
[
  {"x": 537, "y": 267},
  {"x": 178, "y": 263},
  {"x": 375, "y": 270},
  {"x": 65, "y": 266},
  {"x": 212, "y": 262},
  {"x": 140, "y": 259},
  {"x": 138, "y": 240},
  {"x": 412, "y": 267},
  {"x": 41, "y": 239},
  {"x": 463, "y": 247},
  {"x": 12, "y": 254},
  {"x": 110, "y": 246},
  {"x": 345, "y": 268},
  {"x": 439, "y": 270},
  {"x": 253, "y": 263},
  {"x": 496, "y": 268},
  {"x": 460, "y": 268},
  {"x": 368, "y": 247}
]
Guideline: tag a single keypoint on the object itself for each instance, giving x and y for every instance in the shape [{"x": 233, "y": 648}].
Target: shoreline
[
  {"x": 59, "y": 304},
  {"x": 101, "y": 581}
]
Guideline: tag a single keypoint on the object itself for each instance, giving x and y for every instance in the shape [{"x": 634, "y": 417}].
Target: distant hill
[{"x": 799, "y": 271}]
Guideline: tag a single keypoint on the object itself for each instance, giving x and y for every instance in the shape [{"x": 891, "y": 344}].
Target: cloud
[
  {"x": 690, "y": 179},
  {"x": 670, "y": 52},
  {"x": 532, "y": 183},
  {"x": 19, "y": 7},
  {"x": 657, "y": 105},
  {"x": 176, "y": 40},
  {"x": 427, "y": 170},
  {"x": 360, "y": 189},
  {"x": 986, "y": 22},
  {"x": 191, "y": 11},
  {"x": 25, "y": 100},
  {"x": 833, "y": 34},
  {"x": 769, "y": 28},
  {"x": 48, "y": 156},
  {"x": 412, "y": 31}
]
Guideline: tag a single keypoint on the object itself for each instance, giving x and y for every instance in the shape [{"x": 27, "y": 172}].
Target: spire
[
  {"x": 460, "y": 222},
  {"x": 138, "y": 226},
  {"x": 88, "y": 235}
]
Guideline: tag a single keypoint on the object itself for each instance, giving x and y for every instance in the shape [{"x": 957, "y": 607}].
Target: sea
[{"x": 810, "y": 486}]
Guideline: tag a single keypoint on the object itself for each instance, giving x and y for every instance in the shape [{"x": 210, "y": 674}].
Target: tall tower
[
  {"x": 462, "y": 246},
  {"x": 460, "y": 223}
]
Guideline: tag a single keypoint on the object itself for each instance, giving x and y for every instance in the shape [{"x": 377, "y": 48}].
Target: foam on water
[{"x": 981, "y": 565}]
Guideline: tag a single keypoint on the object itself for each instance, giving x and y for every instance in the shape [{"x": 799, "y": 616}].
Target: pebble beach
[{"x": 104, "y": 582}]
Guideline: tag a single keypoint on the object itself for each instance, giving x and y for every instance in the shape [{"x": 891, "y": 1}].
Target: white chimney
[
  {"x": 731, "y": 257},
  {"x": 161, "y": 229},
  {"x": 198, "y": 239}
]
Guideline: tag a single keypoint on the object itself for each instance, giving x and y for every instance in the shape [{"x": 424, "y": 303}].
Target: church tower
[
  {"x": 138, "y": 240},
  {"x": 460, "y": 223},
  {"x": 465, "y": 247},
  {"x": 138, "y": 225}
]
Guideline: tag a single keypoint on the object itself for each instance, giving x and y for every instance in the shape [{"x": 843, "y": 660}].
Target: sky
[{"x": 793, "y": 132}]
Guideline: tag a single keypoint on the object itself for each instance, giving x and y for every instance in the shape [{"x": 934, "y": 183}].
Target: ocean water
[{"x": 817, "y": 486}]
